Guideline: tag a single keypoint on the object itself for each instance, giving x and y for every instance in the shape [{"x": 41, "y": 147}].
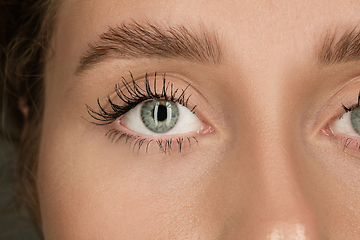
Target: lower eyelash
[
  {"x": 350, "y": 143},
  {"x": 137, "y": 142}
]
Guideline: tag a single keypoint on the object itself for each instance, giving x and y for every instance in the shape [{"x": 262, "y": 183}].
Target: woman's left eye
[
  {"x": 348, "y": 123},
  {"x": 161, "y": 118}
]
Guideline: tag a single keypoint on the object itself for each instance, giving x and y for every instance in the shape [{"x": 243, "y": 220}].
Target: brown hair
[{"x": 26, "y": 30}]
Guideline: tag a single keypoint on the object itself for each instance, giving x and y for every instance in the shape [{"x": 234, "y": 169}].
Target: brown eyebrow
[
  {"x": 134, "y": 40},
  {"x": 346, "y": 49}
]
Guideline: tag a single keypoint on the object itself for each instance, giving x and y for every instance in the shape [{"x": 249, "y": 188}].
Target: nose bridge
[
  {"x": 281, "y": 209},
  {"x": 278, "y": 207}
]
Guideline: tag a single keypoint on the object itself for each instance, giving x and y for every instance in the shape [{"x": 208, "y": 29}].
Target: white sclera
[
  {"x": 188, "y": 122},
  {"x": 343, "y": 126}
]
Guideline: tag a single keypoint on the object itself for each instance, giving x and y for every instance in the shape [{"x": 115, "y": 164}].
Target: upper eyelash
[{"x": 136, "y": 96}]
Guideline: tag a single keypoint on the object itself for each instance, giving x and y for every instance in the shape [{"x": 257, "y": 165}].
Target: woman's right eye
[
  {"x": 151, "y": 111},
  {"x": 161, "y": 118}
]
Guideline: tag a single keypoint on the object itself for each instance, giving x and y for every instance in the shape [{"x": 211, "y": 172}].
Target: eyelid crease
[{"x": 131, "y": 94}]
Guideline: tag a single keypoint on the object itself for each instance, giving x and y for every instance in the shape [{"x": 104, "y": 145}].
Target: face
[{"x": 221, "y": 120}]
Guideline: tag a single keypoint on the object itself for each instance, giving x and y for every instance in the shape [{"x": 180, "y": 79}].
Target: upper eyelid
[
  {"x": 353, "y": 106},
  {"x": 169, "y": 91},
  {"x": 135, "y": 90},
  {"x": 131, "y": 94}
]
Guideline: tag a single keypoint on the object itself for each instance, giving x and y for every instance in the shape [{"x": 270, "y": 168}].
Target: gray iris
[
  {"x": 159, "y": 115},
  {"x": 355, "y": 119}
]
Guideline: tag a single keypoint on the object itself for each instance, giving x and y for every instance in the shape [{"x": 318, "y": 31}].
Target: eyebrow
[
  {"x": 134, "y": 40},
  {"x": 345, "y": 49}
]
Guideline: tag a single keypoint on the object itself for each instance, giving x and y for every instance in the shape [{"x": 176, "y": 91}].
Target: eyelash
[
  {"x": 137, "y": 95},
  {"x": 347, "y": 141},
  {"x": 165, "y": 145}
]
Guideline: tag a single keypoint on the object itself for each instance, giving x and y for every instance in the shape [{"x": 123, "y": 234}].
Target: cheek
[{"x": 92, "y": 188}]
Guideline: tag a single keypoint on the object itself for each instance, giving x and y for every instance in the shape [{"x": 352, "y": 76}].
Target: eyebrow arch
[
  {"x": 346, "y": 49},
  {"x": 134, "y": 40}
]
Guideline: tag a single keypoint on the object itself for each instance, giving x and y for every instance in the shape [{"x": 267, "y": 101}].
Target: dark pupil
[{"x": 161, "y": 114}]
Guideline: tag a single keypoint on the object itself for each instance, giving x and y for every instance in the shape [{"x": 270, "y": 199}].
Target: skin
[{"x": 267, "y": 171}]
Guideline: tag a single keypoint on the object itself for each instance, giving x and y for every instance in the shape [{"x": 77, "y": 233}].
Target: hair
[{"x": 25, "y": 35}]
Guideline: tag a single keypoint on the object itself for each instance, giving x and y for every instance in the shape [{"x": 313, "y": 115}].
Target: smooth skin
[{"x": 267, "y": 171}]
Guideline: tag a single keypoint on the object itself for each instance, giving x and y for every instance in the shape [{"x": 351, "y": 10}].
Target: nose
[{"x": 278, "y": 205}]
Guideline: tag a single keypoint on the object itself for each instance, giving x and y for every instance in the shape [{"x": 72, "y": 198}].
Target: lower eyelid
[
  {"x": 140, "y": 144},
  {"x": 348, "y": 144}
]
